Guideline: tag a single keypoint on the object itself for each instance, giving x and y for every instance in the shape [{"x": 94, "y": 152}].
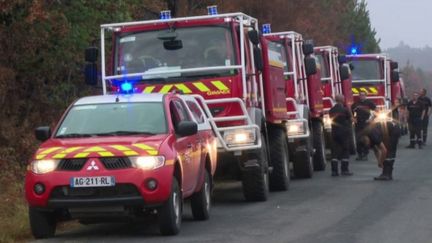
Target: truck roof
[{"x": 106, "y": 99}]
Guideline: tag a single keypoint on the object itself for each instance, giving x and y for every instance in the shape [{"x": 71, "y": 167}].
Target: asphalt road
[{"x": 322, "y": 209}]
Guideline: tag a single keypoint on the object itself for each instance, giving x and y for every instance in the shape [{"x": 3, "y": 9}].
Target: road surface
[{"x": 322, "y": 209}]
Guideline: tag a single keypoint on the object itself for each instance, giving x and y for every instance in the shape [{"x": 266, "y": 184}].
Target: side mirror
[
  {"x": 173, "y": 44},
  {"x": 342, "y": 59},
  {"x": 90, "y": 73},
  {"x": 186, "y": 128},
  {"x": 258, "y": 60},
  {"x": 43, "y": 133},
  {"x": 310, "y": 65},
  {"x": 394, "y": 76},
  {"x": 167, "y": 35},
  {"x": 91, "y": 54},
  {"x": 344, "y": 72},
  {"x": 394, "y": 65},
  {"x": 308, "y": 47},
  {"x": 254, "y": 37}
]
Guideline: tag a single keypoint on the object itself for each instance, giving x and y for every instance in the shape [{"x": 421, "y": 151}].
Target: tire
[
  {"x": 319, "y": 158},
  {"x": 280, "y": 176},
  {"x": 201, "y": 200},
  {"x": 303, "y": 163},
  {"x": 255, "y": 180},
  {"x": 42, "y": 223},
  {"x": 170, "y": 214}
]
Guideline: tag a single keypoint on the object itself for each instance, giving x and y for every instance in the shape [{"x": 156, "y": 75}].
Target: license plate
[{"x": 97, "y": 181}]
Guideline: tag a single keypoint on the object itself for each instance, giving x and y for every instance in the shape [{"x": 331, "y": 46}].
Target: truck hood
[{"x": 116, "y": 146}]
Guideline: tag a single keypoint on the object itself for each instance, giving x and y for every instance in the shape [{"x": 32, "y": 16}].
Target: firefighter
[
  {"x": 403, "y": 115},
  {"x": 341, "y": 129},
  {"x": 362, "y": 110},
  {"x": 427, "y": 106},
  {"x": 416, "y": 114},
  {"x": 383, "y": 138}
]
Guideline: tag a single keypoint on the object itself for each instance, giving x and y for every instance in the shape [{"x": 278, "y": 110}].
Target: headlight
[
  {"x": 148, "y": 162},
  {"x": 296, "y": 128},
  {"x": 327, "y": 121},
  {"x": 44, "y": 166},
  {"x": 383, "y": 116},
  {"x": 239, "y": 137}
]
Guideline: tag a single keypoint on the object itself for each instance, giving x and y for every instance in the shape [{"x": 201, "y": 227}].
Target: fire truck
[
  {"x": 335, "y": 79},
  {"x": 223, "y": 61},
  {"x": 378, "y": 76},
  {"x": 304, "y": 100}
]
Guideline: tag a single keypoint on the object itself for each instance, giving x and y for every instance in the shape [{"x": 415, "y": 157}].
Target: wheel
[
  {"x": 302, "y": 162},
  {"x": 201, "y": 200},
  {"x": 255, "y": 179},
  {"x": 170, "y": 213},
  {"x": 279, "y": 177},
  {"x": 319, "y": 159},
  {"x": 42, "y": 223}
]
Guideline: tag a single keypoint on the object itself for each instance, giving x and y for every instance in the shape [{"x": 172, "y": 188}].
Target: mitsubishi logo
[{"x": 93, "y": 166}]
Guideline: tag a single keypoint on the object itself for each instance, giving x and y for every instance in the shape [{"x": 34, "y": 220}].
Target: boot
[
  {"x": 420, "y": 144},
  {"x": 344, "y": 168},
  {"x": 387, "y": 170},
  {"x": 334, "y": 167}
]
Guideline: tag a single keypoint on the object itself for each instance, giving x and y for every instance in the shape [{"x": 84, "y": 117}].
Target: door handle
[{"x": 189, "y": 145}]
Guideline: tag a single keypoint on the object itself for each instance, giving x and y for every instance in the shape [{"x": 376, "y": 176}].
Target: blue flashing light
[
  {"x": 266, "y": 28},
  {"x": 166, "y": 14},
  {"x": 126, "y": 87},
  {"x": 354, "y": 51},
  {"x": 212, "y": 10}
]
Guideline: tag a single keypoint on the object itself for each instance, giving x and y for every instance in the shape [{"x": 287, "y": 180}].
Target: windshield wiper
[
  {"x": 74, "y": 135},
  {"x": 119, "y": 133}
]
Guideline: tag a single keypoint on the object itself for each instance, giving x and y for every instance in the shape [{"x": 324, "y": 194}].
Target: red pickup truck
[{"x": 117, "y": 156}]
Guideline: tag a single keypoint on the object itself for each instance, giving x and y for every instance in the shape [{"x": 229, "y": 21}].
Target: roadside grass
[{"x": 14, "y": 225}]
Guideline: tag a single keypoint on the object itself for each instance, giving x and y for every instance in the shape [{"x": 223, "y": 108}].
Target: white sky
[{"x": 409, "y": 21}]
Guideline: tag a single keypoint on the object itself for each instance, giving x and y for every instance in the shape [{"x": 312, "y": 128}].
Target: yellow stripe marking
[
  {"x": 152, "y": 152},
  {"x": 59, "y": 156},
  {"x": 95, "y": 149},
  {"x": 70, "y": 150},
  {"x": 143, "y": 146},
  {"x": 81, "y": 155},
  {"x": 40, "y": 156},
  {"x": 105, "y": 154},
  {"x": 183, "y": 88},
  {"x": 364, "y": 90},
  {"x": 130, "y": 153},
  {"x": 49, "y": 150},
  {"x": 120, "y": 147},
  {"x": 221, "y": 86},
  {"x": 165, "y": 89},
  {"x": 149, "y": 89},
  {"x": 169, "y": 162},
  {"x": 201, "y": 87},
  {"x": 354, "y": 90},
  {"x": 373, "y": 90}
]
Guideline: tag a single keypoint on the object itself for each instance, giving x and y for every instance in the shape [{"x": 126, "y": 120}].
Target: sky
[{"x": 409, "y": 21}]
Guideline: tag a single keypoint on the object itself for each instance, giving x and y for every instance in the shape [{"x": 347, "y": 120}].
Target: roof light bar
[
  {"x": 166, "y": 14},
  {"x": 266, "y": 28},
  {"x": 212, "y": 10}
]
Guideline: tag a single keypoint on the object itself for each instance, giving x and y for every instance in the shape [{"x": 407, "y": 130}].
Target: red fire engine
[
  {"x": 222, "y": 60},
  {"x": 304, "y": 101},
  {"x": 335, "y": 79},
  {"x": 378, "y": 76}
]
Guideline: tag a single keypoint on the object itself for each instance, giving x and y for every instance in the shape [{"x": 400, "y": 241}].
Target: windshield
[
  {"x": 322, "y": 64},
  {"x": 366, "y": 70},
  {"x": 114, "y": 119},
  {"x": 164, "y": 51}
]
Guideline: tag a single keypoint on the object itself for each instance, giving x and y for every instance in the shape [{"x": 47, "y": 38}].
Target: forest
[{"x": 42, "y": 46}]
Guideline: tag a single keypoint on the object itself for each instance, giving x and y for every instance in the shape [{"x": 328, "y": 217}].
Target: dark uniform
[
  {"x": 362, "y": 109},
  {"x": 388, "y": 133},
  {"x": 341, "y": 130},
  {"x": 415, "y": 110},
  {"x": 427, "y": 104}
]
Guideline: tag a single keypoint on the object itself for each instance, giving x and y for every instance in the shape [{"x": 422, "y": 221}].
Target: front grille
[
  {"x": 71, "y": 164},
  {"x": 113, "y": 163},
  {"x": 119, "y": 190}
]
